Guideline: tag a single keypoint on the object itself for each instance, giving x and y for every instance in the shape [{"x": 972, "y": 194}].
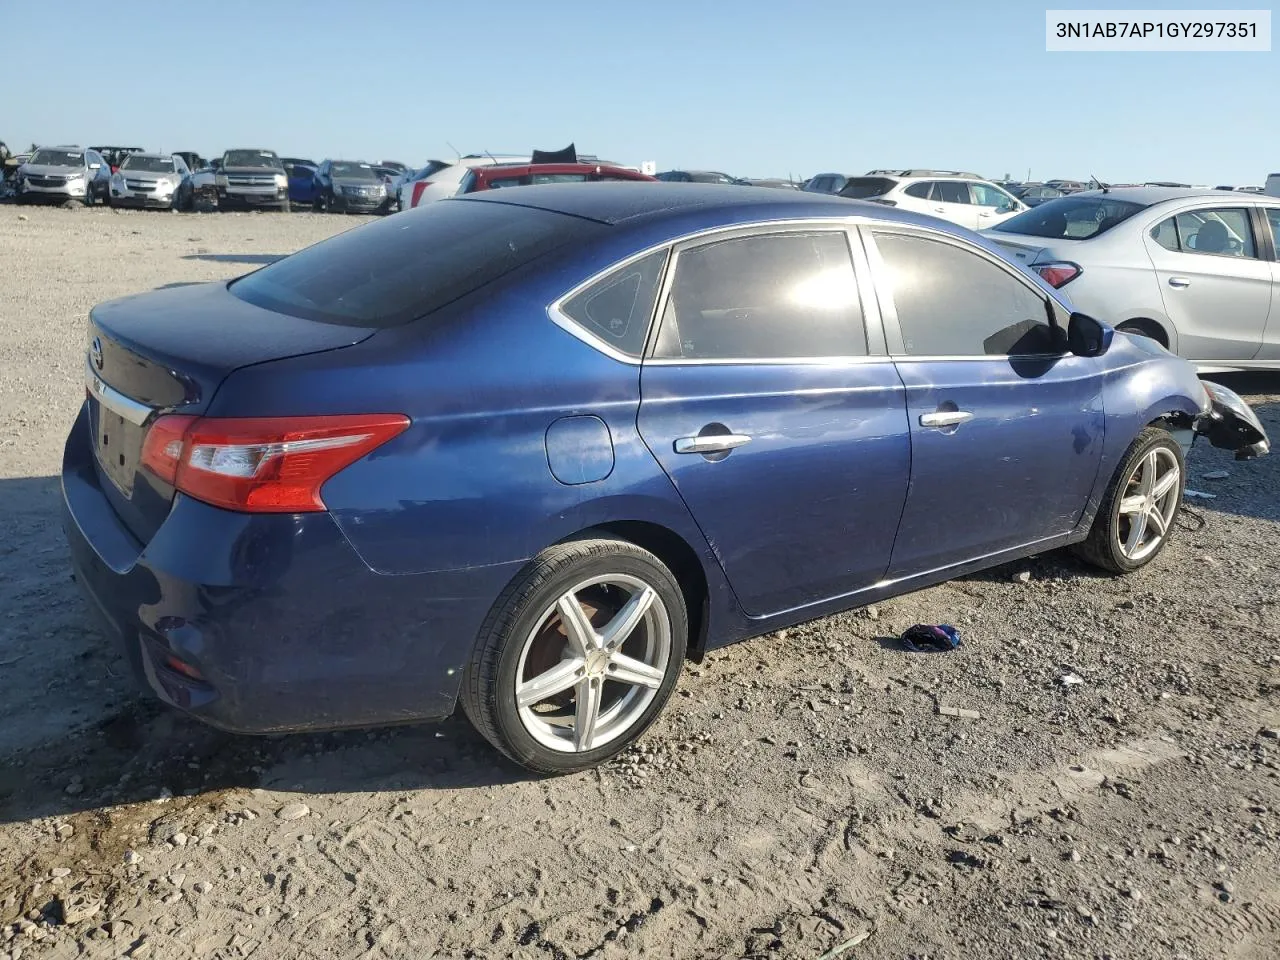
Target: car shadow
[
  {"x": 250, "y": 258},
  {"x": 77, "y": 736}
]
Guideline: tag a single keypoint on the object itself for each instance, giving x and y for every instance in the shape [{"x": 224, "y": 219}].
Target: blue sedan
[{"x": 531, "y": 449}]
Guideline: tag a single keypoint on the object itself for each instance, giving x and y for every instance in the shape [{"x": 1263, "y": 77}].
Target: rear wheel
[
  {"x": 578, "y": 655},
  {"x": 1138, "y": 509}
]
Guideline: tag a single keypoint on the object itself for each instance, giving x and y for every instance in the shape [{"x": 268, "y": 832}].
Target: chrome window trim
[
  {"x": 115, "y": 401},
  {"x": 555, "y": 310},
  {"x": 765, "y": 361},
  {"x": 889, "y": 308}
]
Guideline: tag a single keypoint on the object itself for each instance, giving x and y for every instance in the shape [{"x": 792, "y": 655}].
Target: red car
[{"x": 526, "y": 174}]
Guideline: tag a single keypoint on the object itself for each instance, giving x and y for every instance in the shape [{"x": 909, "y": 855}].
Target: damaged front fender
[{"x": 1230, "y": 424}]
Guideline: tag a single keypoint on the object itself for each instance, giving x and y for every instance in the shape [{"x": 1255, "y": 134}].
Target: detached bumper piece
[{"x": 1230, "y": 424}]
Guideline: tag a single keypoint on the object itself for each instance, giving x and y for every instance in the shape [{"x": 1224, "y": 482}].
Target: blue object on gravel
[{"x": 932, "y": 638}]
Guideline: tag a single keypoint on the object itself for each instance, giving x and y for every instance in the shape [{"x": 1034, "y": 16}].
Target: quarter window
[
  {"x": 1223, "y": 233},
  {"x": 774, "y": 296},
  {"x": 953, "y": 303},
  {"x": 617, "y": 308},
  {"x": 1165, "y": 233},
  {"x": 919, "y": 190}
]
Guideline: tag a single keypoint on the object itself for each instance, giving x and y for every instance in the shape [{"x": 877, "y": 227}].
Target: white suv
[{"x": 963, "y": 198}]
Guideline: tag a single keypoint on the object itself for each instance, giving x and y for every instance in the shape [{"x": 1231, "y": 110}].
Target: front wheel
[
  {"x": 1138, "y": 508},
  {"x": 578, "y": 655}
]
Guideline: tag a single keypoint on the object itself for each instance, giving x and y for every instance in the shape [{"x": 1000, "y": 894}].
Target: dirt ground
[{"x": 1115, "y": 792}]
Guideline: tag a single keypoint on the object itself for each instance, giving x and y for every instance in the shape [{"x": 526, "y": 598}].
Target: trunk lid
[
  {"x": 169, "y": 351},
  {"x": 1023, "y": 249}
]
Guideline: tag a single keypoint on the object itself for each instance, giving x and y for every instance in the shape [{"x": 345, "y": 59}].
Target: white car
[
  {"x": 962, "y": 198},
  {"x": 445, "y": 180}
]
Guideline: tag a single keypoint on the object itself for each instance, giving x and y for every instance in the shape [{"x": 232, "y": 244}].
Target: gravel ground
[{"x": 1114, "y": 791}]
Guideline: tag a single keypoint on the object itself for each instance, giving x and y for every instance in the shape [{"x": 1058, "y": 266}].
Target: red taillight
[
  {"x": 417, "y": 192},
  {"x": 1057, "y": 274},
  {"x": 262, "y": 465}
]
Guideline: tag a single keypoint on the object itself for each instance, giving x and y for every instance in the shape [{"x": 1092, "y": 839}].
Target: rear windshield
[
  {"x": 404, "y": 267},
  {"x": 431, "y": 169},
  {"x": 1071, "y": 218},
  {"x": 147, "y": 164},
  {"x": 863, "y": 188},
  {"x": 251, "y": 158}
]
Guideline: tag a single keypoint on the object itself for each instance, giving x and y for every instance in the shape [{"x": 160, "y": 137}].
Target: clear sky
[{"x": 751, "y": 87}]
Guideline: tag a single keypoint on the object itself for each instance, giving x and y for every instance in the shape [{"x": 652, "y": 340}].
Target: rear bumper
[{"x": 287, "y": 627}]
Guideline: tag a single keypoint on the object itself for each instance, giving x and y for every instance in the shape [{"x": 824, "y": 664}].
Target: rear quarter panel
[{"x": 469, "y": 483}]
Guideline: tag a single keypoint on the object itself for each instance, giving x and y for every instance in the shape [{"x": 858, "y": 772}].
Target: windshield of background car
[
  {"x": 147, "y": 164},
  {"x": 57, "y": 158},
  {"x": 1071, "y": 218},
  {"x": 252, "y": 158},
  {"x": 402, "y": 268},
  {"x": 352, "y": 171},
  {"x": 860, "y": 188}
]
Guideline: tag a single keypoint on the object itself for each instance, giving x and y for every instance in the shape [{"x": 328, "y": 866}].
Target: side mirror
[{"x": 1087, "y": 337}]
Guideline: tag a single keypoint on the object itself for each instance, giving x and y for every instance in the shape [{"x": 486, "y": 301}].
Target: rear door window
[
  {"x": 618, "y": 307},
  {"x": 399, "y": 269},
  {"x": 951, "y": 302},
  {"x": 772, "y": 296},
  {"x": 952, "y": 191}
]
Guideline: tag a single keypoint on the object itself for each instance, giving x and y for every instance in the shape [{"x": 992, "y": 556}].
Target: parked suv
[
  {"x": 963, "y": 198},
  {"x": 151, "y": 180},
  {"x": 345, "y": 186},
  {"x": 64, "y": 173},
  {"x": 243, "y": 178}
]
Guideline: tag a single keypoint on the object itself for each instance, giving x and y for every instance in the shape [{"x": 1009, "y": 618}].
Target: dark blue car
[{"x": 532, "y": 448}]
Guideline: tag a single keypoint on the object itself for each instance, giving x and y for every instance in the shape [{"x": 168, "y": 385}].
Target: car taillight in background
[
  {"x": 1057, "y": 274},
  {"x": 262, "y": 465}
]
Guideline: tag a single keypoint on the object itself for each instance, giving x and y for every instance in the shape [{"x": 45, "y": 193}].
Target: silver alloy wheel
[
  {"x": 1149, "y": 501},
  {"x": 593, "y": 663}
]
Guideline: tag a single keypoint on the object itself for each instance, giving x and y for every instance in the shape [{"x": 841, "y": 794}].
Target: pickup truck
[{"x": 242, "y": 179}]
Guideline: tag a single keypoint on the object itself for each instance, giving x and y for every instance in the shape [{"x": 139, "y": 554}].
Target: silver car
[
  {"x": 1192, "y": 268},
  {"x": 152, "y": 180},
  {"x": 60, "y": 174}
]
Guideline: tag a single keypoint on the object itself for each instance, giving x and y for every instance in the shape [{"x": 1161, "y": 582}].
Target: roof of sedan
[
  {"x": 1147, "y": 196},
  {"x": 616, "y": 203}
]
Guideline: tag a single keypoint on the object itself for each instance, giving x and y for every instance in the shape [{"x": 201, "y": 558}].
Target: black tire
[
  {"x": 489, "y": 683},
  {"x": 1102, "y": 547}
]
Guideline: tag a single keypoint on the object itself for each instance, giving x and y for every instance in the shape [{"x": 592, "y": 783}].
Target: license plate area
[{"x": 117, "y": 444}]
